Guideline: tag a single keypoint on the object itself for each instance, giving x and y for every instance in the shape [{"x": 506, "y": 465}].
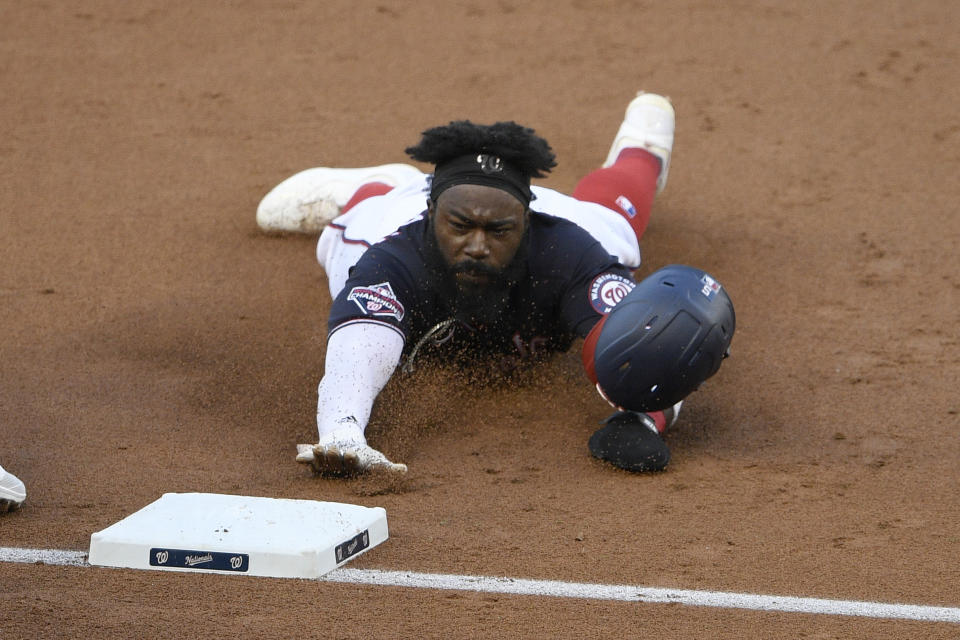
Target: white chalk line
[{"x": 575, "y": 590}]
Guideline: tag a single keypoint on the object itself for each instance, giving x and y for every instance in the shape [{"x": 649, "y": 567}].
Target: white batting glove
[{"x": 346, "y": 458}]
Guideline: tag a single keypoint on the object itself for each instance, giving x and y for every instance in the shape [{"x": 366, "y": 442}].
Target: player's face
[{"x": 478, "y": 231}]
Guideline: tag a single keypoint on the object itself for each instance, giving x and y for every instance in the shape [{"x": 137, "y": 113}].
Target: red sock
[
  {"x": 659, "y": 419},
  {"x": 627, "y": 186},
  {"x": 366, "y": 191}
]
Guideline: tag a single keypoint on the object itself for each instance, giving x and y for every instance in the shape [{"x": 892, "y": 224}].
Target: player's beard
[{"x": 480, "y": 304}]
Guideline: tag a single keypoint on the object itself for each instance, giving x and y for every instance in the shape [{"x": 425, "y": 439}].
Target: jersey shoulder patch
[
  {"x": 377, "y": 300},
  {"x": 607, "y": 289}
]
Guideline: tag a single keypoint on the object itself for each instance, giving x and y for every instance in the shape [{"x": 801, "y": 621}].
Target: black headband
[{"x": 483, "y": 169}]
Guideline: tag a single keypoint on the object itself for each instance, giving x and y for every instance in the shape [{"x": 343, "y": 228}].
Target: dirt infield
[{"x": 154, "y": 341}]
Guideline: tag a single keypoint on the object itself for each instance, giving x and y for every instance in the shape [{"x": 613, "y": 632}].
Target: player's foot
[
  {"x": 630, "y": 441},
  {"x": 307, "y": 201},
  {"x": 347, "y": 459},
  {"x": 648, "y": 124},
  {"x": 12, "y": 491}
]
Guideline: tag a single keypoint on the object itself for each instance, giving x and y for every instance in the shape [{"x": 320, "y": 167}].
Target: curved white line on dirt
[{"x": 583, "y": 591}]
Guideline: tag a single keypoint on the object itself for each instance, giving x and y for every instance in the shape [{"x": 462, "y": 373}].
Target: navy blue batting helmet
[{"x": 663, "y": 339}]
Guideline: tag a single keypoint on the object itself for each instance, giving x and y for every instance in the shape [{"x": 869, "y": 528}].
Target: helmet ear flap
[{"x": 663, "y": 340}]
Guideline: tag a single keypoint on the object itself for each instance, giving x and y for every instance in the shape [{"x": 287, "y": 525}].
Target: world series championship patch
[
  {"x": 377, "y": 300},
  {"x": 607, "y": 290}
]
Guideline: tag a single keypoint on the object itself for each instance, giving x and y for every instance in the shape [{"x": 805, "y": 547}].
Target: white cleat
[
  {"x": 306, "y": 202},
  {"x": 648, "y": 124},
  {"x": 347, "y": 459},
  {"x": 12, "y": 491}
]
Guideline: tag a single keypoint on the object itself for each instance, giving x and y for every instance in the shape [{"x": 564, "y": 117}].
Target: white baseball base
[{"x": 243, "y": 535}]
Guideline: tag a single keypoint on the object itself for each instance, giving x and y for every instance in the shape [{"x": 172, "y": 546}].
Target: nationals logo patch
[
  {"x": 377, "y": 300},
  {"x": 607, "y": 290}
]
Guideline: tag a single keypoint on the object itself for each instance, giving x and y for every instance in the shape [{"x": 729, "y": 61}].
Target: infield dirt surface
[{"x": 153, "y": 340}]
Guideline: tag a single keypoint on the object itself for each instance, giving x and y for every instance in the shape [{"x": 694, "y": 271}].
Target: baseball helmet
[{"x": 666, "y": 336}]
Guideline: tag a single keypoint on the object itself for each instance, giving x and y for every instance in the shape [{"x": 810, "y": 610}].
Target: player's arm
[
  {"x": 597, "y": 283},
  {"x": 361, "y": 357},
  {"x": 364, "y": 347}
]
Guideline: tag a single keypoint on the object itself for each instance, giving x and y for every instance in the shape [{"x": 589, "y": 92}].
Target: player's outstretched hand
[{"x": 347, "y": 459}]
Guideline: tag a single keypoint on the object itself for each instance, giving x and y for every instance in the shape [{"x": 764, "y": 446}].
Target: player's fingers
[
  {"x": 328, "y": 460},
  {"x": 382, "y": 466},
  {"x": 397, "y": 468},
  {"x": 351, "y": 462},
  {"x": 346, "y": 461},
  {"x": 335, "y": 461},
  {"x": 305, "y": 454}
]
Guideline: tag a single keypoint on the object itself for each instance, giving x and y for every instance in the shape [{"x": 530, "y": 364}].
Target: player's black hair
[{"x": 516, "y": 144}]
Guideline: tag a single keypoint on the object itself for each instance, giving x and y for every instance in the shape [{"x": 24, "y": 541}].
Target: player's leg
[
  {"x": 368, "y": 190},
  {"x": 637, "y": 164},
  {"x": 307, "y": 201}
]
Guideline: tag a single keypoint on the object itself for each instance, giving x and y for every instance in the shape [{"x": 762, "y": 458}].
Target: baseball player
[
  {"x": 473, "y": 262},
  {"x": 12, "y": 491}
]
